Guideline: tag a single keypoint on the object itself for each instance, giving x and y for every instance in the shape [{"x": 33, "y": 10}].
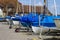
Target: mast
[
  {"x": 44, "y": 7},
  {"x": 23, "y": 8},
  {"x": 30, "y": 7},
  {"x": 44, "y": 12},
  {"x": 42, "y": 19},
  {"x": 55, "y": 8},
  {"x": 34, "y": 6}
]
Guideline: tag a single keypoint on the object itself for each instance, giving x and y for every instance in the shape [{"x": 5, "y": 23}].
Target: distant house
[{"x": 9, "y": 7}]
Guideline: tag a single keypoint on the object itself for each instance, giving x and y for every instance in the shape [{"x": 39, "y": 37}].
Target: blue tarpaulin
[
  {"x": 56, "y": 17},
  {"x": 1, "y": 19},
  {"x": 8, "y": 17},
  {"x": 33, "y": 19},
  {"x": 47, "y": 21}
]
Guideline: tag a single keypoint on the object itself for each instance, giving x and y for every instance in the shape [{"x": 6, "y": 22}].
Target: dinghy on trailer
[
  {"x": 23, "y": 20},
  {"x": 19, "y": 19},
  {"x": 33, "y": 18},
  {"x": 26, "y": 20},
  {"x": 54, "y": 27}
]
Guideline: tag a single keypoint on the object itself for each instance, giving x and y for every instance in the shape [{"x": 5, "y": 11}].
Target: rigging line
[
  {"x": 23, "y": 8},
  {"x": 34, "y": 6},
  {"x": 55, "y": 7},
  {"x": 17, "y": 7},
  {"x": 47, "y": 11},
  {"x": 30, "y": 6},
  {"x": 44, "y": 12}
]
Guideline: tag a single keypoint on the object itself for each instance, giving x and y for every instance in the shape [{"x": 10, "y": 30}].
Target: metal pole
[
  {"x": 30, "y": 7},
  {"x": 47, "y": 7},
  {"x": 23, "y": 8},
  {"x": 17, "y": 7},
  {"x": 44, "y": 12},
  {"x": 34, "y": 6},
  {"x": 42, "y": 20},
  {"x": 55, "y": 8},
  {"x": 44, "y": 7}
]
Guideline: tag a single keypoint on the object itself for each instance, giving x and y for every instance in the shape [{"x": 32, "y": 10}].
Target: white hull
[
  {"x": 16, "y": 22},
  {"x": 1, "y": 13},
  {"x": 8, "y": 21},
  {"x": 57, "y": 22},
  {"x": 38, "y": 29}
]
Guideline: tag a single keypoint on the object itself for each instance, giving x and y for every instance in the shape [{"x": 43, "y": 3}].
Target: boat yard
[{"x": 26, "y": 20}]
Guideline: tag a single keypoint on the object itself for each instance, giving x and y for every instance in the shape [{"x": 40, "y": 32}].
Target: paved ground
[{"x": 9, "y": 34}]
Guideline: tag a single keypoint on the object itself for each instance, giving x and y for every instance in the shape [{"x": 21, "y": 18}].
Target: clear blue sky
[{"x": 40, "y": 3}]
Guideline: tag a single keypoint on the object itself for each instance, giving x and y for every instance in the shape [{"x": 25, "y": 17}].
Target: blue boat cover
[
  {"x": 32, "y": 16},
  {"x": 17, "y": 15},
  {"x": 33, "y": 19},
  {"x": 16, "y": 18},
  {"x": 56, "y": 17},
  {"x": 26, "y": 19},
  {"x": 8, "y": 17},
  {"x": 1, "y": 19},
  {"x": 47, "y": 21}
]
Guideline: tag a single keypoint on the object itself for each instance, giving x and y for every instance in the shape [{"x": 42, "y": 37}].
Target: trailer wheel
[{"x": 17, "y": 30}]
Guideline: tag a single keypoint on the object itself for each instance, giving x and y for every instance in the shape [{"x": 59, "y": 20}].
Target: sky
[{"x": 50, "y": 4}]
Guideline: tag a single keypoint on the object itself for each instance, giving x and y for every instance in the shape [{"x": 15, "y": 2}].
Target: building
[
  {"x": 37, "y": 9},
  {"x": 10, "y": 7}
]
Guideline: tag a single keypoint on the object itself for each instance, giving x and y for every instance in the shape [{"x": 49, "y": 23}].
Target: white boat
[
  {"x": 1, "y": 13},
  {"x": 15, "y": 22},
  {"x": 57, "y": 22},
  {"x": 37, "y": 30}
]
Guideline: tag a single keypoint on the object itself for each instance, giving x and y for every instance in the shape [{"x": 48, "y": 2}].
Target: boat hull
[
  {"x": 16, "y": 22},
  {"x": 57, "y": 22},
  {"x": 38, "y": 29}
]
